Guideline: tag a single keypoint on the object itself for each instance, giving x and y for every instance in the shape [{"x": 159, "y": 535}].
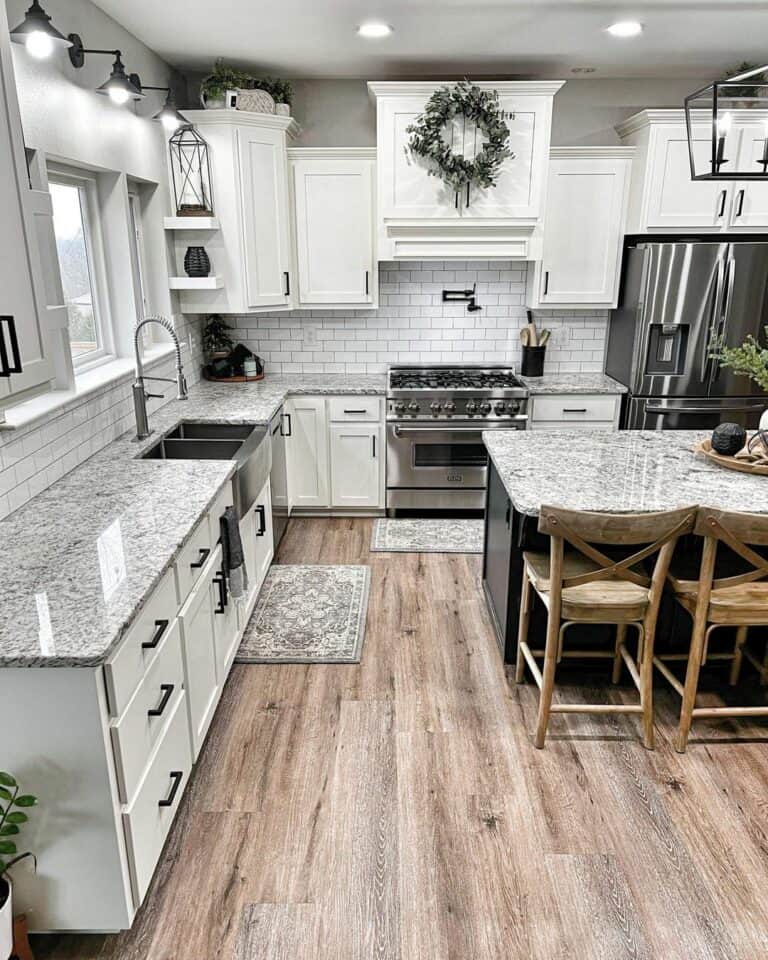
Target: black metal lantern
[
  {"x": 191, "y": 173},
  {"x": 728, "y": 155}
]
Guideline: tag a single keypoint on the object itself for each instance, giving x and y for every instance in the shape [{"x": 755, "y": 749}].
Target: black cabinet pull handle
[
  {"x": 508, "y": 513},
  {"x": 740, "y": 203},
  {"x": 167, "y": 689},
  {"x": 221, "y": 583},
  {"x": 366, "y": 283},
  {"x": 204, "y": 553},
  {"x": 287, "y": 416},
  {"x": 359, "y": 412},
  {"x": 374, "y": 444},
  {"x": 162, "y": 626},
  {"x": 546, "y": 282},
  {"x": 721, "y": 208},
  {"x": 6, "y": 368},
  {"x": 262, "y": 520},
  {"x": 287, "y": 283},
  {"x": 468, "y": 189},
  {"x": 177, "y": 776},
  {"x": 574, "y": 409}
]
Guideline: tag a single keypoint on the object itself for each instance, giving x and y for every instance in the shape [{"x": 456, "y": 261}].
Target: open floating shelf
[
  {"x": 191, "y": 223},
  {"x": 195, "y": 283}
]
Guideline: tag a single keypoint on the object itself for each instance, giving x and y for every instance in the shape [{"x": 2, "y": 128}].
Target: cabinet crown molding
[
  {"x": 244, "y": 118},
  {"x": 592, "y": 152},
  {"x": 646, "y": 118},
  {"x": 332, "y": 153},
  {"x": 425, "y": 88}
]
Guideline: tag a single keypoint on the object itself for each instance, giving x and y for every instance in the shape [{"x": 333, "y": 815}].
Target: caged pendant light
[
  {"x": 190, "y": 173},
  {"x": 734, "y": 113}
]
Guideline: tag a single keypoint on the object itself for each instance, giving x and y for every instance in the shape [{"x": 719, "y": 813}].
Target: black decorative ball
[{"x": 728, "y": 438}]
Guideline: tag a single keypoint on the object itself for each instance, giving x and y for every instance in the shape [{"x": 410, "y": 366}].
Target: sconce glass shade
[
  {"x": 38, "y": 34},
  {"x": 190, "y": 173},
  {"x": 119, "y": 87},
  {"x": 169, "y": 116},
  {"x": 727, "y": 128}
]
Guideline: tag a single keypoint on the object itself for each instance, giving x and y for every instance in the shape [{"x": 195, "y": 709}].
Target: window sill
[{"x": 87, "y": 383}]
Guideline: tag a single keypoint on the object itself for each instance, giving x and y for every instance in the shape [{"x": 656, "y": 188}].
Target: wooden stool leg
[
  {"x": 691, "y": 685},
  {"x": 548, "y": 678},
  {"x": 522, "y": 630},
  {"x": 21, "y": 947},
  {"x": 621, "y": 636},
  {"x": 645, "y": 642},
  {"x": 764, "y": 671},
  {"x": 738, "y": 655}
]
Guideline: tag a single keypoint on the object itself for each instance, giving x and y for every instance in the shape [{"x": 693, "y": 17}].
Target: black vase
[{"x": 196, "y": 262}]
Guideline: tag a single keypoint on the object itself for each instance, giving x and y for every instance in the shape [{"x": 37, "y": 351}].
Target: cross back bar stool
[
  {"x": 587, "y": 586},
  {"x": 739, "y": 601}
]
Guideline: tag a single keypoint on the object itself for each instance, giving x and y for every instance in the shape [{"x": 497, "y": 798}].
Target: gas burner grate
[{"x": 452, "y": 380}]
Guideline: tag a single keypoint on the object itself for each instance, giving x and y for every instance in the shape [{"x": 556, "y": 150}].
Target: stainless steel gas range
[{"x": 436, "y": 459}]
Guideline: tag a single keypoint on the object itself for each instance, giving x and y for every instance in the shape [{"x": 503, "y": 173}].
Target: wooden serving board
[
  {"x": 730, "y": 463},
  {"x": 234, "y": 379}
]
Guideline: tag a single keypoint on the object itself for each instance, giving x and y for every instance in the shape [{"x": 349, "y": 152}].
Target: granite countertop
[
  {"x": 78, "y": 559},
  {"x": 572, "y": 383},
  {"x": 624, "y": 472}
]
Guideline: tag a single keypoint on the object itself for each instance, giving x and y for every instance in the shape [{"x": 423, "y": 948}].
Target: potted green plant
[
  {"x": 217, "y": 340},
  {"x": 213, "y": 88},
  {"x": 751, "y": 360},
  {"x": 12, "y": 817},
  {"x": 281, "y": 92}
]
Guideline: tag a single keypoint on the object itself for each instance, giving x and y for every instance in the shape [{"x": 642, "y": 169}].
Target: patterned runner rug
[
  {"x": 308, "y": 614},
  {"x": 427, "y": 536}
]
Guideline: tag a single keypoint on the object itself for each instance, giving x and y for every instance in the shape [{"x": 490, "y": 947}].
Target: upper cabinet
[
  {"x": 25, "y": 364},
  {"x": 420, "y": 218},
  {"x": 333, "y": 205},
  {"x": 250, "y": 252},
  {"x": 583, "y": 228},
  {"x": 663, "y": 196}
]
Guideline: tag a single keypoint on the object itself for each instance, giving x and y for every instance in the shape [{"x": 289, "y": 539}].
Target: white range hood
[{"x": 420, "y": 219}]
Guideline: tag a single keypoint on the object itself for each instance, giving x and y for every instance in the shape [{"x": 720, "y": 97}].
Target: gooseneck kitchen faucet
[{"x": 140, "y": 395}]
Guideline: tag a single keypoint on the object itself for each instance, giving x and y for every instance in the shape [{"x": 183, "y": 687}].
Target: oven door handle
[{"x": 446, "y": 426}]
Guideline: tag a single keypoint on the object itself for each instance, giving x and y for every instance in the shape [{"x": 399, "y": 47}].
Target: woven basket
[{"x": 255, "y": 101}]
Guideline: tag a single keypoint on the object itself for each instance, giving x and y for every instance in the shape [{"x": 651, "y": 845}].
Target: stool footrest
[{"x": 596, "y": 708}]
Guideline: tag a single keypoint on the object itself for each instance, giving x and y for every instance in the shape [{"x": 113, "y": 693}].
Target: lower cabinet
[
  {"x": 258, "y": 546},
  {"x": 335, "y": 453},
  {"x": 574, "y": 411}
]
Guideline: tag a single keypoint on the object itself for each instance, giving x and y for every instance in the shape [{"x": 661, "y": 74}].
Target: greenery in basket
[
  {"x": 749, "y": 359},
  {"x": 281, "y": 91},
  {"x": 13, "y": 803},
  {"x": 216, "y": 335}
]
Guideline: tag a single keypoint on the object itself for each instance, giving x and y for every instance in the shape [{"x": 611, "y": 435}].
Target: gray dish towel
[{"x": 234, "y": 558}]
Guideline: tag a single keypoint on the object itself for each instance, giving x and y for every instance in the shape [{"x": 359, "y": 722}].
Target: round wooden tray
[
  {"x": 234, "y": 379},
  {"x": 731, "y": 463}
]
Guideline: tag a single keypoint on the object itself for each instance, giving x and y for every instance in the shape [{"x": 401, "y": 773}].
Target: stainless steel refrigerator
[{"x": 678, "y": 300}]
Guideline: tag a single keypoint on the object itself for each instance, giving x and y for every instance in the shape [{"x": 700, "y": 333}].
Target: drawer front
[
  {"x": 574, "y": 407},
  {"x": 126, "y": 667},
  {"x": 192, "y": 558},
  {"x": 139, "y": 729},
  {"x": 226, "y": 498},
  {"x": 571, "y": 425},
  {"x": 149, "y": 817},
  {"x": 354, "y": 408}
]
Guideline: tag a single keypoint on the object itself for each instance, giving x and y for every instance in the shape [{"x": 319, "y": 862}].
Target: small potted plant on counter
[
  {"x": 217, "y": 341},
  {"x": 12, "y": 817},
  {"x": 749, "y": 359}
]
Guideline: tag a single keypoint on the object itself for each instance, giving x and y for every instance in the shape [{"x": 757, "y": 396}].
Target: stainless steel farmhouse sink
[{"x": 247, "y": 445}]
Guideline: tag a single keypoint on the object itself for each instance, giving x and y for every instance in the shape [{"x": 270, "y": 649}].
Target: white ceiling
[{"x": 316, "y": 38}]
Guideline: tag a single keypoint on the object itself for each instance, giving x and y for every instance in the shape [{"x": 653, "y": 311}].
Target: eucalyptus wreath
[{"x": 476, "y": 105}]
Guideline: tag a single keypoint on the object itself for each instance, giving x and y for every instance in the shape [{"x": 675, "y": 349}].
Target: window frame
[{"x": 88, "y": 187}]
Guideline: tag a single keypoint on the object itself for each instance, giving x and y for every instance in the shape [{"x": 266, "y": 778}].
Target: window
[{"x": 74, "y": 202}]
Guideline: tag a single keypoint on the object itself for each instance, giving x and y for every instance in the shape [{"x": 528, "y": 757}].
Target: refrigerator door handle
[
  {"x": 661, "y": 410},
  {"x": 713, "y": 324},
  {"x": 730, "y": 282}
]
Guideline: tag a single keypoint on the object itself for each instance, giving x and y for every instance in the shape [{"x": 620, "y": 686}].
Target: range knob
[
  {"x": 498, "y": 407},
  {"x": 471, "y": 407},
  {"x": 413, "y": 407},
  {"x": 435, "y": 407},
  {"x": 513, "y": 406},
  {"x": 398, "y": 406},
  {"x": 449, "y": 406},
  {"x": 485, "y": 407}
]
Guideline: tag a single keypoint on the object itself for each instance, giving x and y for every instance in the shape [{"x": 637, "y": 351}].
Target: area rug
[
  {"x": 427, "y": 536},
  {"x": 308, "y": 614}
]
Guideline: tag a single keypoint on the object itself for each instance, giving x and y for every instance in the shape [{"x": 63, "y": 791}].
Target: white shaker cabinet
[
  {"x": 333, "y": 204},
  {"x": 25, "y": 363},
  {"x": 258, "y": 547},
  {"x": 356, "y": 475},
  {"x": 250, "y": 250},
  {"x": 307, "y": 452},
  {"x": 664, "y": 198},
  {"x": 583, "y": 228}
]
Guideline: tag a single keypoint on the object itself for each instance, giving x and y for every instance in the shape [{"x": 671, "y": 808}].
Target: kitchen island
[{"x": 631, "y": 471}]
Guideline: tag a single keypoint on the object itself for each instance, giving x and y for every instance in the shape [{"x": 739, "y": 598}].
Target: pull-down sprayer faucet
[{"x": 140, "y": 395}]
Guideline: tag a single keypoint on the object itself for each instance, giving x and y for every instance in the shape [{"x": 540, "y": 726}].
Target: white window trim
[{"x": 94, "y": 244}]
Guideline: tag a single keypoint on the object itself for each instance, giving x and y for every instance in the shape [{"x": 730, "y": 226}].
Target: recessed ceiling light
[
  {"x": 625, "y": 28},
  {"x": 374, "y": 31},
  {"x": 583, "y": 69}
]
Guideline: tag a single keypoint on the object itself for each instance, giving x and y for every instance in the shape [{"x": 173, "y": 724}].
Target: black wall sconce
[
  {"x": 119, "y": 87},
  {"x": 38, "y": 34},
  {"x": 463, "y": 296}
]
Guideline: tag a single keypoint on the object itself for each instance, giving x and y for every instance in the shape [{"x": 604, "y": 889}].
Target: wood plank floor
[{"x": 397, "y": 810}]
